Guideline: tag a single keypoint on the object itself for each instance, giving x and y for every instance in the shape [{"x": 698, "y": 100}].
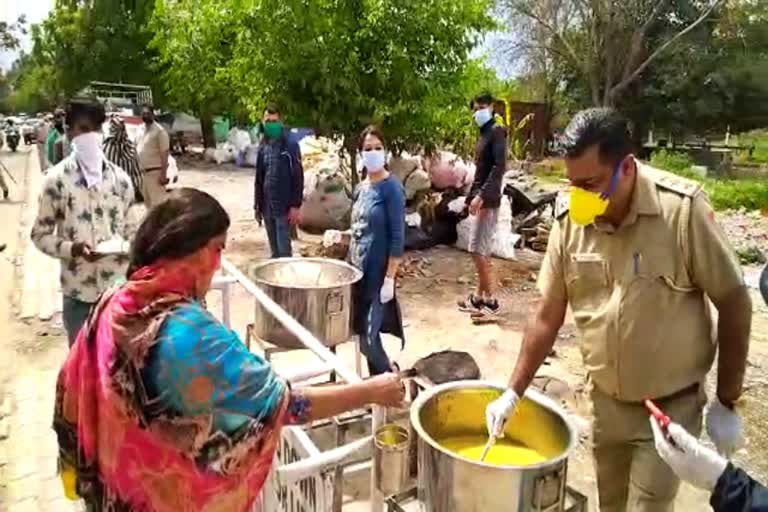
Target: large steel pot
[
  {"x": 448, "y": 482},
  {"x": 317, "y": 292}
]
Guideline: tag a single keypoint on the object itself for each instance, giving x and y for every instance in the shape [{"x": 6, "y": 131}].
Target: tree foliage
[
  {"x": 718, "y": 78},
  {"x": 332, "y": 65},
  {"x": 606, "y": 45},
  {"x": 79, "y": 42},
  {"x": 683, "y": 65},
  {"x": 10, "y": 33}
]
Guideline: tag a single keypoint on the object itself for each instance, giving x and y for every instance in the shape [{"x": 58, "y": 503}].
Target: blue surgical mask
[
  {"x": 374, "y": 160},
  {"x": 482, "y": 116}
]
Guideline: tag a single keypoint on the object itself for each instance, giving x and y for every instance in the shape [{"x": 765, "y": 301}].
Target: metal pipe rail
[{"x": 295, "y": 471}]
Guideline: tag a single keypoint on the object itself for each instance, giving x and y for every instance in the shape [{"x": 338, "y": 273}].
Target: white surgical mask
[
  {"x": 87, "y": 150},
  {"x": 374, "y": 160},
  {"x": 482, "y": 116}
]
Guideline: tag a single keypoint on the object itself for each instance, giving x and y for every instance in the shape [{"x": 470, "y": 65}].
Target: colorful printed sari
[{"x": 160, "y": 408}]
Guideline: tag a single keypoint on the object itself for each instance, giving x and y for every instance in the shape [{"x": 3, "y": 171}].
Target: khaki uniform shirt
[
  {"x": 638, "y": 292},
  {"x": 151, "y": 144}
]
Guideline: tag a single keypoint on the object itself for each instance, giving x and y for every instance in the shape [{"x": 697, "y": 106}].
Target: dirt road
[{"x": 31, "y": 352}]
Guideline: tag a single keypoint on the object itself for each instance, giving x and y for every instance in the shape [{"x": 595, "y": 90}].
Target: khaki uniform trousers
[
  {"x": 153, "y": 191},
  {"x": 631, "y": 477}
]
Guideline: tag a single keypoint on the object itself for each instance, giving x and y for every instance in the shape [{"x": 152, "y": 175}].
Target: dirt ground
[{"x": 35, "y": 348}]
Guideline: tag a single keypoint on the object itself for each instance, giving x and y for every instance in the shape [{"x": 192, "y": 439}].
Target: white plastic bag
[
  {"x": 173, "y": 170},
  {"x": 239, "y": 139},
  {"x": 504, "y": 240},
  {"x": 224, "y": 153},
  {"x": 251, "y": 154}
]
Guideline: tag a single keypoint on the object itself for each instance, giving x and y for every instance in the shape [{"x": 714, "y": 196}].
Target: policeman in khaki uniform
[{"x": 636, "y": 252}]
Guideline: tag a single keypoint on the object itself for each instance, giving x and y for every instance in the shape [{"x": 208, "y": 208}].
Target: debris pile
[
  {"x": 748, "y": 233},
  {"x": 335, "y": 245},
  {"x": 532, "y": 209},
  {"x": 415, "y": 266}
]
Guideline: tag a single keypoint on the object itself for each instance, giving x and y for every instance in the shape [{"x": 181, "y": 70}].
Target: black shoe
[
  {"x": 471, "y": 304},
  {"x": 6, "y": 194},
  {"x": 490, "y": 309}
]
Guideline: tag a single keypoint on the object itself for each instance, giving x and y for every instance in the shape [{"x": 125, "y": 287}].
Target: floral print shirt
[{"x": 71, "y": 212}]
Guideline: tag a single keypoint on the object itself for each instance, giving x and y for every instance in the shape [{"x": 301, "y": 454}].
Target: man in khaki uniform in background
[
  {"x": 153, "y": 146},
  {"x": 636, "y": 252}
]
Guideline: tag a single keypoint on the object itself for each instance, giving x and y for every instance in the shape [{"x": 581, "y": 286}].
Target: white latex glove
[
  {"x": 688, "y": 458},
  {"x": 498, "y": 412},
  {"x": 724, "y": 428},
  {"x": 387, "y": 290}
]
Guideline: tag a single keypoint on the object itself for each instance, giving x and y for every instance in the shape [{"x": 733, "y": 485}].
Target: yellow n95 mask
[{"x": 585, "y": 206}]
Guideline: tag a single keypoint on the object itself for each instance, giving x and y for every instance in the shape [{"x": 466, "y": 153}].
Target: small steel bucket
[{"x": 391, "y": 458}]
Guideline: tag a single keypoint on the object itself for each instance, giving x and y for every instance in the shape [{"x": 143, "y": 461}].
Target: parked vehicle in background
[
  {"x": 28, "y": 131},
  {"x": 12, "y": 137}
]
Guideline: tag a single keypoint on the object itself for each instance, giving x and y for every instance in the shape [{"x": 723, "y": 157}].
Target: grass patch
[
  {"x": 756, "y": 138},
  {"x": 728, "y": 194}
]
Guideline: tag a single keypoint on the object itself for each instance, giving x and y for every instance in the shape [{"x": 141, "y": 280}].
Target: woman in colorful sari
[
  {"x": 378, "y": 242},
  {"x": 119, "y": 150},
  {"x": 161, "y": 408}
]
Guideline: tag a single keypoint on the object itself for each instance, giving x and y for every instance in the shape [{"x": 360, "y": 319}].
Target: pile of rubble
[
  {"x": 532, "y": 209},
  {"x": 415, "y": 266},
  {"x": 748, "y": 233}
]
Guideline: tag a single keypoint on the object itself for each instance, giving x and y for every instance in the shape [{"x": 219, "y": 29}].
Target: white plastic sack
[
  {"x": 504, "y": 240},
  {"x": 209, "y": 155},
  {"x": 457, "y": 205},
  {"x": 413, "y": 220},
  {"x": 173, "y": 170},
  {"x": 224, "y": 153},
  {"x": 239, "y": 139},
  {"x": 251, "y": 153}
]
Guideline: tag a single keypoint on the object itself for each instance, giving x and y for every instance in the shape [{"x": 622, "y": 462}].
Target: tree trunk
[
  {"x": 351, "y": 148},
  {"x": 206, "y": 126}
]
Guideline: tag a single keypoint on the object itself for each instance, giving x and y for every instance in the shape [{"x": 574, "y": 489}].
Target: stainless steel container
[
  {"x": 317, "y": 292},
  {"x": 448, "y": 482},
  {"x": 391, "y": 458}
]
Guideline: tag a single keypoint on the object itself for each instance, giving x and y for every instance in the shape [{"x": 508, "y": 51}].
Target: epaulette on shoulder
[{"x": 673, "y": 182}]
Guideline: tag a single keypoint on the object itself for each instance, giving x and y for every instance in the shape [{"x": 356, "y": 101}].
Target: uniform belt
[
  {"x": 150, "y": 169},
  {"x": 677, "y": 394}
]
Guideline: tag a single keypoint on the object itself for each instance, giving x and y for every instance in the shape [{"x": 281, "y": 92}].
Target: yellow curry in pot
[{"x": 504, "y": 452}]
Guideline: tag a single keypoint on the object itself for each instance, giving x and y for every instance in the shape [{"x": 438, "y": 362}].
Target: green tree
[
  {"x": 10, "y": 33},
  {"x": 717, "y": 78},
  {"x": 195, "y": 48},
  {"x": 81, "y": 42},
  {"x": 333, "y": 65},
  {"x": 604, "y": 46}
]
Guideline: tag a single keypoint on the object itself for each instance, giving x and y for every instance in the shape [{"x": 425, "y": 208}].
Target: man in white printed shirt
[{"x": 84, "y": 201}]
